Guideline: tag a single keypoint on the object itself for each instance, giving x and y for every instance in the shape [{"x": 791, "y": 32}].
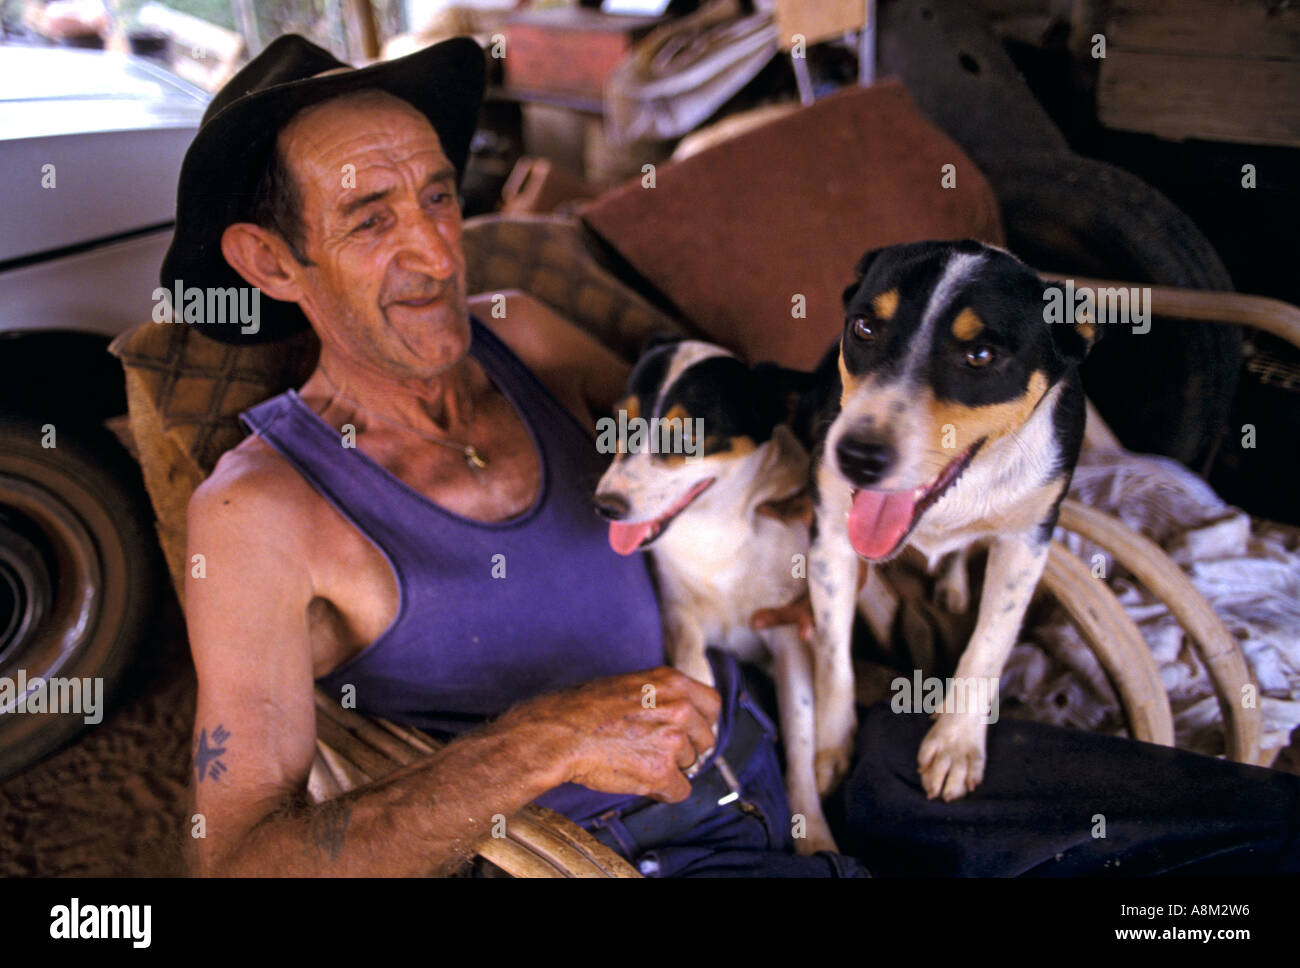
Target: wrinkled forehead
[{"x": 349, "y": 126}]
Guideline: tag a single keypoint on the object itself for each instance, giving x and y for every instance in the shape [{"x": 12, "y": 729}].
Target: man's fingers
[
  {"x": 798, "y": 612},
  {"x": 766, "y": 618},
  {"x": 700, "y": 733},
  {"x": 704, "y": 698},
  {"x": 675, "y": 788},
  {"x": 687, "y": 756}
]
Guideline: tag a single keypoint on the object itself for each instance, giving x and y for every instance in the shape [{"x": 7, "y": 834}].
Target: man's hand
[
  {"x": 635, "y": 733},
  {"x": 796, "y": 612}
]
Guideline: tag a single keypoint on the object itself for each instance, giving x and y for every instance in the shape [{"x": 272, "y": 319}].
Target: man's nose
[
  {"x": 425, "y": 249},
  {"x": 864, "y": 456}
]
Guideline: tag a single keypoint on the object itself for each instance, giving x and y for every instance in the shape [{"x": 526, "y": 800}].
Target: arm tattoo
[
  {"x": 207, "y": 756},
  {"x": 329, "y": 822}
]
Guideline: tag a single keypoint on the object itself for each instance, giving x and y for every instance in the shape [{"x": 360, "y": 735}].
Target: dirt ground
[{"x": 113, "y": 804}]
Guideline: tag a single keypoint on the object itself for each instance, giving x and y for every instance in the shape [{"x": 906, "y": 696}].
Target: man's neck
[{"x": 441, "y": 405}]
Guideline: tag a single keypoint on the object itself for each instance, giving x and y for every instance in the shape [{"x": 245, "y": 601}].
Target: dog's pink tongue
[
  {"x": 626, "y": 538},
  {"x": 878, "y": 520}
]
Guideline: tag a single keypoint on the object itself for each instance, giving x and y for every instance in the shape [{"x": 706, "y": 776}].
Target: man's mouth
[
  {"x": 626, "y": 538},
  {"x": 418, "y": 303},
  {"x": 880, "y": 521}
]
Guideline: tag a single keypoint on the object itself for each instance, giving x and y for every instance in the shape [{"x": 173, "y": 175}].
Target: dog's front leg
[
  {"x": 686, "y": 646},
  {"x": 792, "y": 666},
  {"x": 832, "y": 589},
  {"x": 951, "y": 758},
  {"x": 953, "y": 588}
]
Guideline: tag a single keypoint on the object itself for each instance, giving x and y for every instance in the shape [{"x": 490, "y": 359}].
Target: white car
[{"x": 90, "y": 148}]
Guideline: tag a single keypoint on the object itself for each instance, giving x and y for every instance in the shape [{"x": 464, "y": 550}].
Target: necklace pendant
[{"x": 473, "y": 459}]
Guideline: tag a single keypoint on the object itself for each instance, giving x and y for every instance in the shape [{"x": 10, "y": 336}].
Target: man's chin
[{"x": 436, "y": 332}]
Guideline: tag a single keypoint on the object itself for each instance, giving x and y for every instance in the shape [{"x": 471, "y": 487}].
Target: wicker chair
[{"x": 185, "y": 392}]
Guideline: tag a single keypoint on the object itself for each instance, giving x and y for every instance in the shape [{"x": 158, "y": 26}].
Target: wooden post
[
  {"x": 359, "y": 23},
  {"x": 246, "y": 21}
]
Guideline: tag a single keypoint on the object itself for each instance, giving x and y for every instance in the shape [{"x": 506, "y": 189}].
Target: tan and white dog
[{"x": 712, "y": 447}]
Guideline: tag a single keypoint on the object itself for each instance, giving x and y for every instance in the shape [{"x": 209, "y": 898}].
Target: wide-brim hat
[{"x": 232, "y": 148}]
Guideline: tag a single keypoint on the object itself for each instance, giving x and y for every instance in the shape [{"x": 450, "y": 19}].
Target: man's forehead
[{"x": 352, "y": 125}]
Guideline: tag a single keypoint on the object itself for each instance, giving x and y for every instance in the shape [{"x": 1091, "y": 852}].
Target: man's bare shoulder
[
  {"x": 526, "y": 324},
  {"x": 252, "y": 483}
]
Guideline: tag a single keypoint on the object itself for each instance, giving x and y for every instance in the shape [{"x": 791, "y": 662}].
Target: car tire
[
  {"x": 79, "y": 573},
  {"x": 1168, "y": 391}
]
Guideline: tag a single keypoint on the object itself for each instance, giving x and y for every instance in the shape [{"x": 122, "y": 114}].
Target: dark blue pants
[
  {"x": 1048, "y": 797},
  {"x": 1054, "y": 802}
]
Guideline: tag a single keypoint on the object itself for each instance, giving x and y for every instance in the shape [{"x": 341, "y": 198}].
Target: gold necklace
[{"x": 473, "y": 459}]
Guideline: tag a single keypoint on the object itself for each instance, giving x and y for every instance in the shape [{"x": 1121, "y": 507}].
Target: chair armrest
[{"x": 353, "y": 749}]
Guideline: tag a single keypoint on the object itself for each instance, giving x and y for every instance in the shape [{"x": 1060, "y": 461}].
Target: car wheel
[
  {"x": 79, "y": 574},
  {"x": 1167, "y": 391}
]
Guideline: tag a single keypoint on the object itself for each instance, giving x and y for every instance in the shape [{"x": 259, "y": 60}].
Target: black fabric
[
  {"x": 1165, "y": 811},
  {"x": 1040, "y": 811}
]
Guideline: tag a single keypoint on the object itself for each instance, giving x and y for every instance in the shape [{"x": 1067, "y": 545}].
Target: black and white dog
[
  {"x": 717, "y": 558},
  {"x": 950, "y": 413}
]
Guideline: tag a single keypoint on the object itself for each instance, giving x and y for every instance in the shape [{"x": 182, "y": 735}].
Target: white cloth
[{"x": 1248, "y": 571}]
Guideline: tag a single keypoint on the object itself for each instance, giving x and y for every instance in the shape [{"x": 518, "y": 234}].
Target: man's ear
[{"x": 263, "y": 259}]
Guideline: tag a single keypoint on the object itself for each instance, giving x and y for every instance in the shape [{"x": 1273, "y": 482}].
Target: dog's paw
[
  {"x": 831, "y": 765},
  {"x": 951, "y": 758},
  {"x": 837, "y": 725}
]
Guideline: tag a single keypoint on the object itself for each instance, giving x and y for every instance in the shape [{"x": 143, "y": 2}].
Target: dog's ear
[
  {"x": 784, "y": 385},
  {"x": 1072, "y": 337},
  {"x": 859, "y": 273}
]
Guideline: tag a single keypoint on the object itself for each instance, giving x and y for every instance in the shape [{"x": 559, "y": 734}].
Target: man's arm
[{"x": 255, "y": 723}]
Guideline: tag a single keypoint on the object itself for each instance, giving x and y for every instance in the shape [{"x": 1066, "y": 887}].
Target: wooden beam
[
  {"x": 1182, "y": 96},
  {"x": 359, "y": 23}
]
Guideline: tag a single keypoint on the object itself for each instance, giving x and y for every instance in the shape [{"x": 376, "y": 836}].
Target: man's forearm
[{"x": 423, "y": 819}]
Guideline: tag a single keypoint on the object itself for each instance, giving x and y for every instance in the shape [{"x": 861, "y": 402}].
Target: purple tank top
[{"x": 490, "y": 613}]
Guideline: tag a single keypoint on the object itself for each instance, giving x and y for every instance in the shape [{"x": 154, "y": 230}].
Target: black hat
[{"x": 229, "y": 154}]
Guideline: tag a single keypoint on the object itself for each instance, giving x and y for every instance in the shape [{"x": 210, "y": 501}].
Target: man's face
[{"x": 387, "y": 287}]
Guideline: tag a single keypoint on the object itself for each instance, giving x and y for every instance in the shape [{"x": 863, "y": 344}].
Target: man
[{"x": 412, "y": 529}]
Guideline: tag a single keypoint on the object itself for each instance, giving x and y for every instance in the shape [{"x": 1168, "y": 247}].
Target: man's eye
[
  {"x": 863, "y": 329},
  {"x": 369, "y": 223}
]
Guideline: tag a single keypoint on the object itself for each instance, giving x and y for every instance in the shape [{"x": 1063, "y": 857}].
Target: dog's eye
[
  {"x": 978, "y": 356},
  {"x": 862, "y": 328}
]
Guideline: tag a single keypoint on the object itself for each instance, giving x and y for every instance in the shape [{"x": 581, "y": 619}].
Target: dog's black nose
[
  {"x": 611, "y": 507},
  {"x": 864, "y": 460}
]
